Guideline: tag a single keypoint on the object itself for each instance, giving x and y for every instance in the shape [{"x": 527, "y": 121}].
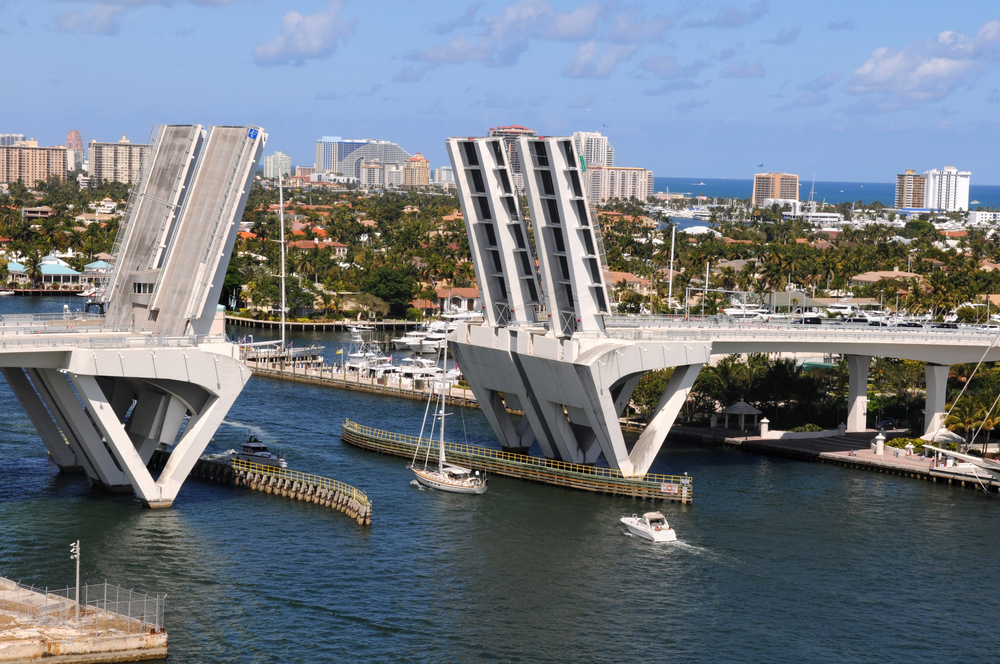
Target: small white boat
[
  {"x": 651, "y": 525},
  {"x": 6, "y": 292},
  {"x": 255, "y": 451}
]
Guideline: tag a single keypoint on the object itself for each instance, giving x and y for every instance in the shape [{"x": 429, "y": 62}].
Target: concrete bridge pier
[
  {"x": 937, "y": 389},
  {"x": 857, "y": 395}
]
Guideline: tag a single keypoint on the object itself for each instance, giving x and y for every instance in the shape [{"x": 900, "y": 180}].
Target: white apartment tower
[
  {"x": 279, "y": 162},
  {"x": 595, "y": 149},
  {"x": 947, "y": 190}
]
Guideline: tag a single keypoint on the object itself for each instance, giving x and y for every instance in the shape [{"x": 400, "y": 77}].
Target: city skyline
[{"x": 710, "y": 89}]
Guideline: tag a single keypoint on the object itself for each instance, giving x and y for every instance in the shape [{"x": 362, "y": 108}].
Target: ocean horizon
[{"x": 831, "y": 192}]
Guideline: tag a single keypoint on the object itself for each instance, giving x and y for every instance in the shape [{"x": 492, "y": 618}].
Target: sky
[{"x": 843, "y": 91}]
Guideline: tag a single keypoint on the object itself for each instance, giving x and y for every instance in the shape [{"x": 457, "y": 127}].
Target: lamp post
[{"x": 74, "y": 549}]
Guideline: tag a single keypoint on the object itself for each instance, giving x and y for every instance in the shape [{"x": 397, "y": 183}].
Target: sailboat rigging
[{"x": 447, "y": 477}]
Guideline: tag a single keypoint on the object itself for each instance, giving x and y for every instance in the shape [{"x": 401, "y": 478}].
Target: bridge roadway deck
[{"x": 934, "y": 346}]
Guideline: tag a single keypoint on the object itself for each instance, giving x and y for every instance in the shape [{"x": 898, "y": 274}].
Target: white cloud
[
  {"x": 667, "y": 67},
  {"x": 743, "y": 69},
  {"x": 846, "y": 24},
  {"x": 313, "y": 36},
  {"x": 923, "y": 71},
  {"x": 808, "y": 100},
  {"x": 590, "y": 61},
  {"x": 610, "y": 34},
  {"x": 822, "y": 82},
  {"x": 577, "y": 24},
  {"x": 734, "y": 17},
  {"x": 692, "y": 105},
  {"x": 409, "y": 75},
  {"x": 785, "y": 36},
  {"x": 102, "y": 19},
  {"x": 464, "y": 20},
  {"x": 504, "y": 37}
]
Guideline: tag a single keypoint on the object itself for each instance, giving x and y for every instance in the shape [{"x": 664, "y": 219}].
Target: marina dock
[
  {"x": 110, "y": 624},
  {"x": 333, "y": 376},
  {"x": 848, "y": 450},
  {"x": 672, "y": 488}
]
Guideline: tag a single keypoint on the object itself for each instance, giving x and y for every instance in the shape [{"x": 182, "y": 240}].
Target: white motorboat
[
  {"x": 447, "y": 476},
  {"x": 744, "y": 311},
  {"x": 432, "y": 343},
  {"x": 255, "y": 451},
  {"x": 418, "y": 367},
  {"x": 413, "y": 336},
  {"x": 6, "y": 292},
  {"x": 90, "y": 292},
  {"x": 651, "y": 525}
]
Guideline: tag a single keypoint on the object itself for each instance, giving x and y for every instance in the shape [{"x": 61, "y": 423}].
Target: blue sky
[{"x": 846, "y": 90}]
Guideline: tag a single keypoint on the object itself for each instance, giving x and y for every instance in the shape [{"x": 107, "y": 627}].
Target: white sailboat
[{"x": 447, "y": 476}]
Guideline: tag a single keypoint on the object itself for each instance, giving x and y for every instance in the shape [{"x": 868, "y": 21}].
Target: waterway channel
[{"x": 778, "y": 560}]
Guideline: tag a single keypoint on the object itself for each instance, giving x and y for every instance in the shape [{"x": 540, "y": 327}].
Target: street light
[{"x": 74, "y": 549}]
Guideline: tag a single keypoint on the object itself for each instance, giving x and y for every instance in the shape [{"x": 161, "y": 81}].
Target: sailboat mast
[
  {"x": 444, "y": 383},
  {"x": 281, "y": 224}
]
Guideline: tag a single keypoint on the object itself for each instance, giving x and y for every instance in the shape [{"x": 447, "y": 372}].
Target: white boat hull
[
  {"x": 639, "y": 529},
  {"x": 433, "y": 480}
]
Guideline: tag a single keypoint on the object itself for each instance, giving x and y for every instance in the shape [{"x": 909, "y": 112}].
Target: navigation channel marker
[{"x": 253, "y": 133}]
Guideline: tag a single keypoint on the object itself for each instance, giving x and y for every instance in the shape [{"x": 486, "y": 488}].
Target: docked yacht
[
  {"x": 743, "y": 311},
  {"x": 418, "y": 367},
  {"x": 255, "y": 451},
  {"x": 431, "y": 344},
  {"x": 651, "y": 525},
  {"x": 414, "y": 336}
]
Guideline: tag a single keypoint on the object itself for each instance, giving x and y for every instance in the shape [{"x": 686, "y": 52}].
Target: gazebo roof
[{"x": 741, "y": 408}]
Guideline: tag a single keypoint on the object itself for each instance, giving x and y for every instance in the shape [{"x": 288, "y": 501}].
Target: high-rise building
[
  {"x": 606, "y": 182},
  {"x": 371, "y": 174},
  {"x": 74, "y": 150},
  {"x": 510, "y": 135},
  {"x": 338, "y": 155},
  {"x": 947, "y": 190},
  {"x": 417, "y": 171},
  {"x": 594, "y": 148},
  {"x": 304, "y": 171},
  {"x": 444, "y": 174},
  {"x": 8, "y": 140},
  {"x": 910, "y": 189},
  {"x": 279, "y": 162},
  {"x": 774, "y": 185},
  {"x": 117, "y": 162},
  {"x": 28, "y": 164}
]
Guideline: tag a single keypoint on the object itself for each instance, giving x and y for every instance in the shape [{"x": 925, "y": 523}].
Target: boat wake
[{"x": 416, "y": 484}]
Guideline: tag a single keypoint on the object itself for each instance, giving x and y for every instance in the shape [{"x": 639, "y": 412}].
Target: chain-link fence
[{"x": 103, "y": 607}]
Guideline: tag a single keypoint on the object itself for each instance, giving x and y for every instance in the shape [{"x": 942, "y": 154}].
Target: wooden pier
[
  {"x": 673, "y": 488},
  {"x": 320, "y": 325}
]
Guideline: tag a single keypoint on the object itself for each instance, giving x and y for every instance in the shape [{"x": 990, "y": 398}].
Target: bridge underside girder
[
  {"x": 105, "y": 412},
  {"x": 573, "y": 391}
]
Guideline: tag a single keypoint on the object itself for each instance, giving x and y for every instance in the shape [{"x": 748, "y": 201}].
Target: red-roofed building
[
  {"x": 338, "y": 249},
  {"x": 459, "y": 299},
  {"x": 247, "y": 235},
  {"x": 638, "y": 284}
]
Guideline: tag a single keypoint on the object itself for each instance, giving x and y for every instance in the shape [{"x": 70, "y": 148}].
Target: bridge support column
[
  {"x": 60, "y": 450},
  {"x": 670, "y": 403},
  {"x": 857, "y": 397},
  {"x": 937, "y": 388}
]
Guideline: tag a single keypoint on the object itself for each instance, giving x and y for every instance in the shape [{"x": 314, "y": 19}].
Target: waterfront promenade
[
  {"x": 321, "y": 325},
  {"x": 852, "y": 450}
]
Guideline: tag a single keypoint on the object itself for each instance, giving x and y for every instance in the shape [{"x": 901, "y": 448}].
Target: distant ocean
[{"x": 831, "y": 192}]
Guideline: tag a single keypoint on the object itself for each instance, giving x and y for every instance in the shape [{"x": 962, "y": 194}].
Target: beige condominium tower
[{"x": 783, "y": 186}]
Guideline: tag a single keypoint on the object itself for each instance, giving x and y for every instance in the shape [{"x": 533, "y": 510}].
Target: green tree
[{"x": 394, "y": 287}]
